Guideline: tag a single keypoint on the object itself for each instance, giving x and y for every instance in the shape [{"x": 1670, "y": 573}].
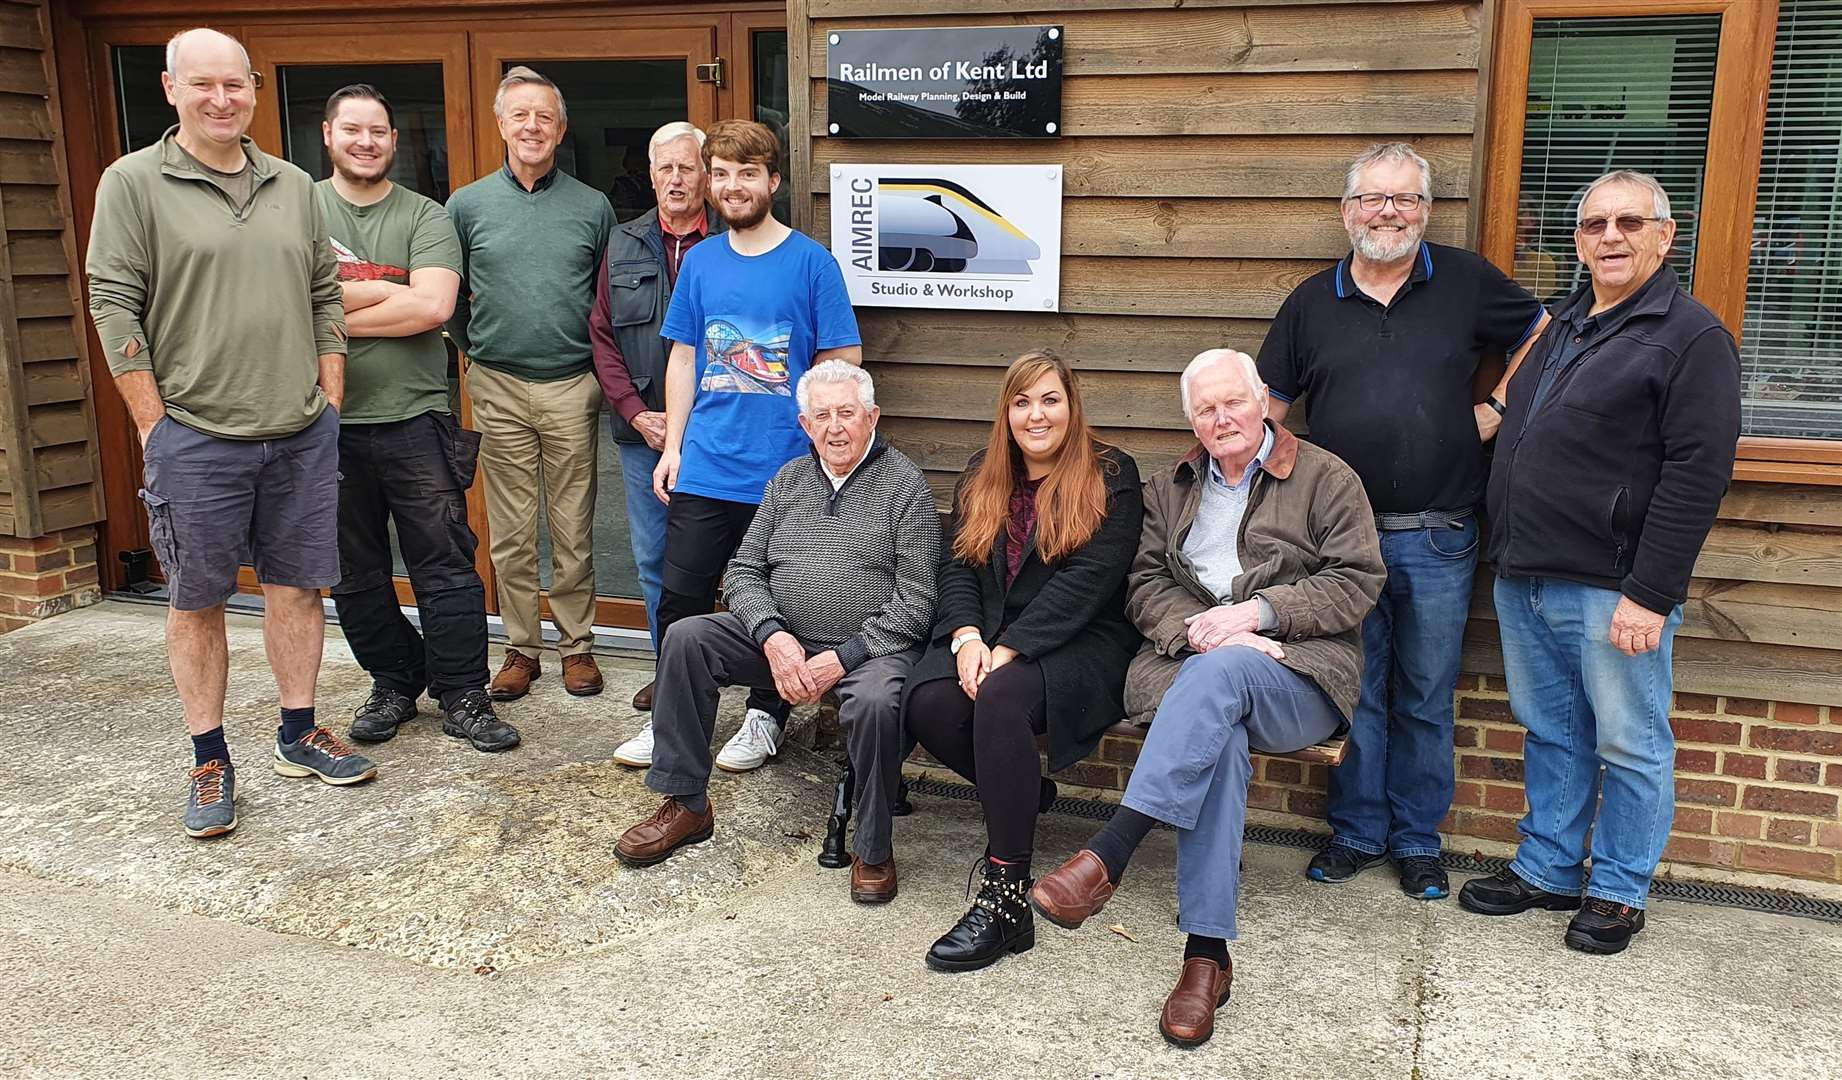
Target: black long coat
[{"x": 1069, "y": 618}]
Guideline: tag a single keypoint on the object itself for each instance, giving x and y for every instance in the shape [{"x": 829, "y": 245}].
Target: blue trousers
[
  {"x": 1193, "y": 770},
  {"x": 645, "y": 526},
  {"x": 1588, "y": 707},
  {"x": 1395, "y": 783}
]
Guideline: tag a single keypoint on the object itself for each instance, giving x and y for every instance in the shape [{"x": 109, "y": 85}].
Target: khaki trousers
[{"x": 540, "y": 433}]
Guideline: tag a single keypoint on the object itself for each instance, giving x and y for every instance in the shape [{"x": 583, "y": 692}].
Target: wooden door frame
[{"x": 1736, "y": 139}]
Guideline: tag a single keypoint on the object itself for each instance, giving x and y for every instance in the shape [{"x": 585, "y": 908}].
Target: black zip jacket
[{"x": 1615, "y": 478}]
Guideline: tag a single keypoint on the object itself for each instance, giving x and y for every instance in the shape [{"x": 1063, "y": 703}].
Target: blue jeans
[
  {"x": 1193, "y": 770},
  {"x": 1395, "y": 783},
  {"x": 1587, "y": 705},
  {"x": 645, "y": 526}
]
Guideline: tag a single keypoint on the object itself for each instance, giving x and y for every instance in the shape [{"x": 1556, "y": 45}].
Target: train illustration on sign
[{"x": 937, "y": 226}]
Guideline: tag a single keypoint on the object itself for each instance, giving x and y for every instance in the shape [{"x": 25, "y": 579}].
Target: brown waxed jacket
[{"x": 1307, "y": 544}]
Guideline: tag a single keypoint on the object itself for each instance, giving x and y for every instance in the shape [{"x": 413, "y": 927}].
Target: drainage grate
[{"x": 1771, "y": 901}]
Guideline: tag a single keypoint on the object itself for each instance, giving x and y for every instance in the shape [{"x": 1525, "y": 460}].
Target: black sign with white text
[{"x": 956, "y": 82}]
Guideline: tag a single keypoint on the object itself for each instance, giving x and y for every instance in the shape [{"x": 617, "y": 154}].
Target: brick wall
[
  {"x": 47, "y": 575},
  {"x": 1757, "y": 782}
]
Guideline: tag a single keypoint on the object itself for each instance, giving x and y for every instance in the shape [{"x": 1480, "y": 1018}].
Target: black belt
[{"x": 1426, "y": 519}]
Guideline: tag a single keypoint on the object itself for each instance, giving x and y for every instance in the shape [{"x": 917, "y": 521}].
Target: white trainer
[
  {"x": 637, "y": 751},
  {"x": 754, "y": 742}
]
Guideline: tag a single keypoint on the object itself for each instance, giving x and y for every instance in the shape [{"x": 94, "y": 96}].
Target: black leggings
[{"x": 991, "y": 742}]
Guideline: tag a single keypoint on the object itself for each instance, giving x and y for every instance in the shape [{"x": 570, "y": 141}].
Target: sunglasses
[{"x": 1627, "y": 224}]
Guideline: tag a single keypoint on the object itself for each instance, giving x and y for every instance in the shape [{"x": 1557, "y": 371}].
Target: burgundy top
[
  {"x": 1021, "y": 524},
  {"x": 610, "y": 365}
]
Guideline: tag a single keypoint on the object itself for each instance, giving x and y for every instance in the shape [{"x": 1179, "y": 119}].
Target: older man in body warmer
[
  {"x": 1614, "y": 454},
  {"x": 833, "y": 586},
  {"x": 1258, "y": 563}
]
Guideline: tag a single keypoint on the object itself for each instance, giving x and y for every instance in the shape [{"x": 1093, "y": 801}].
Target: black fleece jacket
[{"x": 1614, "y": 479}]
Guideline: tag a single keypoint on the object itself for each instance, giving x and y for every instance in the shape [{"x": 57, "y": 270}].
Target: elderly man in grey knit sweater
[{"x": 833, "y": 588}]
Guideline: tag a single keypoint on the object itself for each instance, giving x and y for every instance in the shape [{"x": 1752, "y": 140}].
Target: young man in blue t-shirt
[{"x": 752, "y": 312}]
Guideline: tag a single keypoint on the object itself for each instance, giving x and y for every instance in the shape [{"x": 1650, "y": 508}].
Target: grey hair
[
  {"x": 1393, "y": 153},
  {"x": 1208, "y": 358},
  {"x": 1659, "y": 199},
  {"x": 672, "y": 132},
  {"x": 524, "y": 76},
  {"x": 172, "y": 49},
  {"x": 835, "y": 371}
]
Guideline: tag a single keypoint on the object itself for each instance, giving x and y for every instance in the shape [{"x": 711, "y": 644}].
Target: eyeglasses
[
  {"x": 1627, "y": 224},
  {"x": 1375, "y": 200}
]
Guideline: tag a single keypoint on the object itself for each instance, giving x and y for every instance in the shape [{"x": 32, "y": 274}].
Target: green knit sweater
[{"x": 528, "y": 273}]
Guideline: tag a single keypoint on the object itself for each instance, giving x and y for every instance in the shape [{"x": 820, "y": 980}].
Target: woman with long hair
[{"x": 1031, "y": 637}]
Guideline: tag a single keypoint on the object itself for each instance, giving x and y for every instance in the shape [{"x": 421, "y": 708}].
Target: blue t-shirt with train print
[{"x": 755, "y": 321}]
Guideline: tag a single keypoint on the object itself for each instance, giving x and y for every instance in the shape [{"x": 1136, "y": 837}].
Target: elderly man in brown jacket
[{"x": 1258, "y": 561}]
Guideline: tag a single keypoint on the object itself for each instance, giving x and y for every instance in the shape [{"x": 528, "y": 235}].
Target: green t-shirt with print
[{"x": 391, "y": 378}]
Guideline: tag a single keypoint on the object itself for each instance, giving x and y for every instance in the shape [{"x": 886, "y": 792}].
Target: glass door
[
  {"x": 618, "y": 89},
  {"x": 425, "y": 76}
]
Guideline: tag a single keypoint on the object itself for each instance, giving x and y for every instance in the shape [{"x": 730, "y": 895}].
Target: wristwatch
[
  {"x": 958, "y": 642},
  {"x": 1495, "y": 404}
]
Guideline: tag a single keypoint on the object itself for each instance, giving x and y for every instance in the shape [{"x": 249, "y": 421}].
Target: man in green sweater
[
  {"x": 216, "y": 298},
  {"x": 531, "y": 237}
]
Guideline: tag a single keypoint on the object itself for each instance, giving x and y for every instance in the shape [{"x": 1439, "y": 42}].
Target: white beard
[{"x": 1375, "y": 247}]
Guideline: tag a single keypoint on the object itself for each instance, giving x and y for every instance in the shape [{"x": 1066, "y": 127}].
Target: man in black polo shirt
[{"x": 1386, "y": 345}]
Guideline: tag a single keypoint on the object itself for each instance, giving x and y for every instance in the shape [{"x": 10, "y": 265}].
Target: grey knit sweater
[{"x": 855, "y": 570}]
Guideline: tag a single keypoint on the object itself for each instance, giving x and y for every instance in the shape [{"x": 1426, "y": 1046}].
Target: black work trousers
[
  {"x": 991, "y": 741},
  {"x": 413, "y": 473},
  {"x": 701, "y": 536}
]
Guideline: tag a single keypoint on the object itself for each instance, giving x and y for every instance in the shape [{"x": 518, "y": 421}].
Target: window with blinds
[
  {"x": 1611, "y": 93},
  {"x": 1791, "y": 350}
]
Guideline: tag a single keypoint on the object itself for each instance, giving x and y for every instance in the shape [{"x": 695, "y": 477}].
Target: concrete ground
[{"x": 463, "y": 917}]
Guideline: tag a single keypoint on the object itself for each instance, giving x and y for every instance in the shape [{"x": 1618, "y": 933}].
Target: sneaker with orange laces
[
  {"x": 321, "y": 754},
  {"x": 211, "y": 808}
]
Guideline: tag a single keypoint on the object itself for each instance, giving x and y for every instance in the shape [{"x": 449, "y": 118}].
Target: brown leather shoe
[
  {"x": 515, "y": 677},
  {"x": 1073, "y": 892},
  {"x": 642, "y": 701},
  {"x": 669, "y": 828},
  {"x": 581, "y": 676},
  {"x": 873, "y": 883},
  {"x": 1189, "y": 1012}
]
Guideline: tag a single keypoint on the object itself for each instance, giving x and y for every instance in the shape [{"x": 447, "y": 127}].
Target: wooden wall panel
[{"x": 52, "y": 471}]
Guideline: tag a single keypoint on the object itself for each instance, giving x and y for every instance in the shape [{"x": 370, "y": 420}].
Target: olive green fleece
[
  {"x": 529, "y": 280},
  {"x": 230, "y": 309}
]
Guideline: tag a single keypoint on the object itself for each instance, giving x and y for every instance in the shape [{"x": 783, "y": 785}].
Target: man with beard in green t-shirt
[{"x": 404, "y": 457}]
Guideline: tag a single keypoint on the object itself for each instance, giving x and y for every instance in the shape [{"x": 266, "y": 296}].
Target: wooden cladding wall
[
  {"x": 49, "y": 474},
  {"x": 1205, "y": 149}
]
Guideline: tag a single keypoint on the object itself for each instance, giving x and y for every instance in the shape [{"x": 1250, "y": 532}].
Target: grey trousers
[{"x": 704, "y": 653}]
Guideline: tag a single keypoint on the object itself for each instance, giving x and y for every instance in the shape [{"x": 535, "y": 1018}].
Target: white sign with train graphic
[{"x": 949, "y": 236}]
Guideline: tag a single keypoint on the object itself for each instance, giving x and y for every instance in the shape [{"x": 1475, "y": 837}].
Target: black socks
[
  {"x": 1116, "y": 843},
  {"x": 296, "y": 723},
  {"x": 1214, "y": 948},
  {"x": 696, "y": 804},
  {"x": 210, "y": 747}
]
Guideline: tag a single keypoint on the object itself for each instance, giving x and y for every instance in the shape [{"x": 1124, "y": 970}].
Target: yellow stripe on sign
[{"x": 936, "y": 189}]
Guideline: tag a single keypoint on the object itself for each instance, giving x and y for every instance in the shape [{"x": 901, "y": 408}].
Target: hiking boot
[
  {"x": 1423, "y": 878},
  {"x": 382, "y": 713},
  {"x": 1339, "y": 863},
  {"x": 581, "y": 675},
  {"x": 321, "y": 754},
  {"x": 211, "y": 807},
  {"x": 515, "y": 676},
  {"x": 1504, "y": 893},
  {"x": 472, "y": 718},
  {"x": 1604, "y": 926}
]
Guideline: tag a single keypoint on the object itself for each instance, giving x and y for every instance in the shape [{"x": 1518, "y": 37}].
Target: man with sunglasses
[
  {"x": 1385, "y": 346},
  {"x": 1615, "y": 451}
]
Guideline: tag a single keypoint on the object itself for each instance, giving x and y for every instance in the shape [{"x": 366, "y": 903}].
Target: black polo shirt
[{"x": 1390, "y": 386}]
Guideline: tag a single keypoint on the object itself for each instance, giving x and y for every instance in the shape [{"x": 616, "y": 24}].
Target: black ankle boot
[{"x": 998, "y": 922}]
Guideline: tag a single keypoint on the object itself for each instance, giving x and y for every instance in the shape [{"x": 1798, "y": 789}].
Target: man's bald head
[{"x": 201, "y": 41}]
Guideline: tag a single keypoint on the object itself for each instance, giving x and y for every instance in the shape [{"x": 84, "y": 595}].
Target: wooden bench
[{"x": 834, "y": 856}]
